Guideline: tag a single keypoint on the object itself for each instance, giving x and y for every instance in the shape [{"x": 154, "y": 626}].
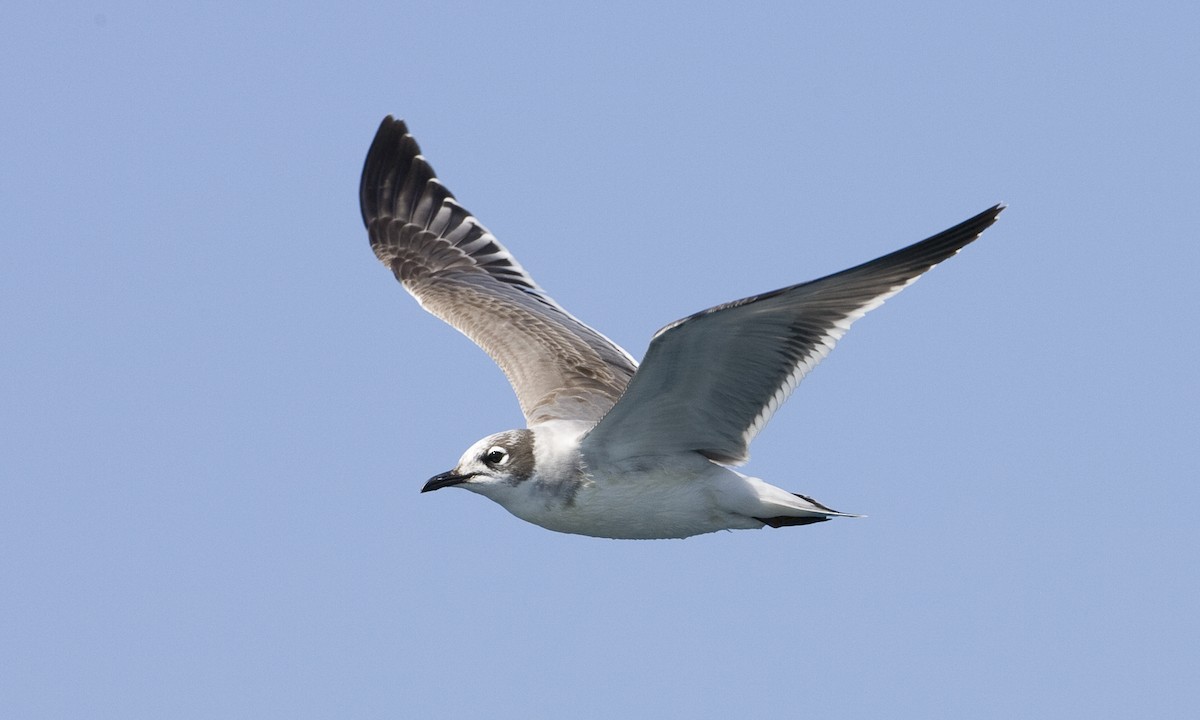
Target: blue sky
[{"x": 216, "y": 408}]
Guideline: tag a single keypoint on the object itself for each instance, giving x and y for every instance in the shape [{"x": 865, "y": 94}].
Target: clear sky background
[{"x": 217, "y": 408}]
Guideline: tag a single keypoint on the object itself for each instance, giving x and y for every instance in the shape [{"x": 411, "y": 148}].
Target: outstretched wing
[
  {"x": 558, "y": 367},
  {"x": 711, "y": 381}
]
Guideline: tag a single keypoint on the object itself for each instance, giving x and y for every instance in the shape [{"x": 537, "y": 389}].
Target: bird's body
[
  {"x": 613, "y": 449},
  {"x": 645, "y": 497}
]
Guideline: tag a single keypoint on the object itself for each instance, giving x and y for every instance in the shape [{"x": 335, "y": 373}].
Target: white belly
[{"x": 652, "y": 503}]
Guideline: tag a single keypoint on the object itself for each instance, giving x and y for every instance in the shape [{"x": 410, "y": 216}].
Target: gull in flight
[{"x": 612, "y": 448}]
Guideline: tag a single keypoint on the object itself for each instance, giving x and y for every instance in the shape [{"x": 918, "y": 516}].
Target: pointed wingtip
[
  {"x": 993, "y": 213},
  {"x": 393, "y": 156}
]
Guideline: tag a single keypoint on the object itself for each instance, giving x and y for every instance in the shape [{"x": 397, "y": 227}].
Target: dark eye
[{"x": 496, "y": 456}]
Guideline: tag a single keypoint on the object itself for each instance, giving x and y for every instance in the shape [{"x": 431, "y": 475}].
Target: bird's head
[{"x": 491, "y": 467}]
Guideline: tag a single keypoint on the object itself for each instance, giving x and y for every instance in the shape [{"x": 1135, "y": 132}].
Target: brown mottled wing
[
  {"x": 559, "y": 368},
  {"x": 711, "y": 381}
]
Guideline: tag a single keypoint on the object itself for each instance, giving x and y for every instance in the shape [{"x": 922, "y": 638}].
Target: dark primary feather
[
  {"x": 398, "y": 184},
  {"x": 558, "y": 367},
  {"x": 709, "y": 382}
]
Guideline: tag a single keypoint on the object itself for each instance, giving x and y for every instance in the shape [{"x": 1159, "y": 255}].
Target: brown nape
[{"x": 788, "y": 521}]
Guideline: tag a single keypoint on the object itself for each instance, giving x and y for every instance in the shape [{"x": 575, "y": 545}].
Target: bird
[{"x": 611, "y": 448}]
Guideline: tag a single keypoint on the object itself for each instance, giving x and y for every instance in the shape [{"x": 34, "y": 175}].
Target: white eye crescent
[{"x": 496, "y": 455}]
